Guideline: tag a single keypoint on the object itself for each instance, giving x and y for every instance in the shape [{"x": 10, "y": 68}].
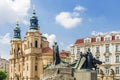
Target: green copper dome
[
  {"x": 44, "y": 38},
  {"x": 17, "y": 32},
  {"x": 34, "y": 22}
]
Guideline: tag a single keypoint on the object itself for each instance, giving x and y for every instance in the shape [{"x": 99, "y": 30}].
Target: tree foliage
[{"x": 3, "y": 75}]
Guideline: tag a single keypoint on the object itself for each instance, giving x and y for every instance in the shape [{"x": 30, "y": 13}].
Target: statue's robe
[
  {"x": 56, "y": 56},
  {"x": 80, "y": 63},
  {"x": 89, "y": 61}
]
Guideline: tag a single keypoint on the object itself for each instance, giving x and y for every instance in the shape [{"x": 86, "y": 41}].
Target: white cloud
[
  {"x": 25, "y": 22},
  {"x": 5, "y": 45},
  {"x": 94, "y": 33},
  {"x": 70, "y": 19},
  {"x": 76, "y": 14},
  {"x": 11, "y": 10},
  {"x": 79, "y": 8},
  {"x": 67, "y": 20},
  {"x": 5, "y": 39},
  {"x": 51, "y": 38}
]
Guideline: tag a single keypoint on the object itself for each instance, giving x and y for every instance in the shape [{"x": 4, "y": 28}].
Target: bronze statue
[
  {"x": 56, "y": 57},
  {"x": 86, "y": 61}
]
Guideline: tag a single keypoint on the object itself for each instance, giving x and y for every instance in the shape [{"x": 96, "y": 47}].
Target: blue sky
[{"x": 60, "y": 20}]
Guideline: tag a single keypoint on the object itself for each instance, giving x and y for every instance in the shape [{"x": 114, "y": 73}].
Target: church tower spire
[
  {"x": 17, "y": 31},
  {"x": 34, "y": 21}
]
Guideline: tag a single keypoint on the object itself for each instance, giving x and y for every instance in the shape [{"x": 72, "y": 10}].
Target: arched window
[
  {"x": 41, "y": 45},
  {"x": 28, "y": 44},
  {"x": 36, "y": 43},
  {"x": 19, "y": 67},
  {"x": 35, "y": 67}
]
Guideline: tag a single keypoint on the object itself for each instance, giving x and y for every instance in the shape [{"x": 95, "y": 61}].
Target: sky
[{"x": 63, "y": 21}]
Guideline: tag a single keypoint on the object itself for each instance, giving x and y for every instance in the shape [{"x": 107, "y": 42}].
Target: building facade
[
  {"x": 28, "y": 57},
  {"x": 4, "y": 65},
  {"x": 65, "y": 56},
  {"x": 105, "y": 48}
]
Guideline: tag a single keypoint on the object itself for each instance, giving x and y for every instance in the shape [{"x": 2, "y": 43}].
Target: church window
[
  {"x": 35, "y": 67},
  {"x": 14, "y": 50},
  {"x": 28, "y": 44},
  {"x": 36, "y": 57},
  {"x": 41, "y": 45},
  {"x": 19, "y": 67},
  {"x": 31, "y": 44},
  {"x": 36, "y": 43},
  {"x": 27, "y": 66},
  {"x": 18, "y": 49}
]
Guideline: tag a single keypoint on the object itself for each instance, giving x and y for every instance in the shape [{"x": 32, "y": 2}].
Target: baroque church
[{"x": 30, "y": 56}]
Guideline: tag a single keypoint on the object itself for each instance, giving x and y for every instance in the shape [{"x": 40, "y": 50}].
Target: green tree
[{"x": 3, "y": 75}]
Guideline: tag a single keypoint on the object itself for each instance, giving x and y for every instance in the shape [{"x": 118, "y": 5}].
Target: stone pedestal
[
  {"x": 85, "y": 74},
  {"x": 58, "y": 74}
]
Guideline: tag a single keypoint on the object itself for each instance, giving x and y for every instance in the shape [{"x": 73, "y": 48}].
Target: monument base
[
  {"x": 85, "y": 74},
  {"x": 58, "y": 74}
]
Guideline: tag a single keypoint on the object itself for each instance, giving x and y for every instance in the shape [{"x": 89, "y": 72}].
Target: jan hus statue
[
  {"x": 56, "y": 57},
  {"x": 86, "y": 61}
]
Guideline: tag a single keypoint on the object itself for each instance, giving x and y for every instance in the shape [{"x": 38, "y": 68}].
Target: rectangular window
[
  {"x": 98, "y": 40},
  {"x": 117, "y": 70},
  {"x": 78, "y": 50},
  {"x": 107, "y": 71},
  {"x": 107, "y": 38},
  {"x": 97, "y": 49},
  {"x": 88, "y": 41},
  {"x": 117, "y": 58},
  {"x": 97, "y": 70},
  {"x": 116, "y": 48},
  {"x": 107, "y": 48},
  {"x": 73, "y": 51},
  {"x": 117, "y": 37},
  {"x": 107, "y": 59}
]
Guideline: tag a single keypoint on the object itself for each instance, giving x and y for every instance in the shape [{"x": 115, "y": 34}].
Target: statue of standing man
[
  {"x": 56, "y": 57},
  {"x": 89, "y": 60}
]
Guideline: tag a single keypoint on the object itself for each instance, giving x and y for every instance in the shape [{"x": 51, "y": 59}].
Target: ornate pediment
[
  {"x": 97, "y": 54},
  {"x": 107, "y": 65},
  {"x": 117, "y": 53},
  {"x": 107, "y": 54}
]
